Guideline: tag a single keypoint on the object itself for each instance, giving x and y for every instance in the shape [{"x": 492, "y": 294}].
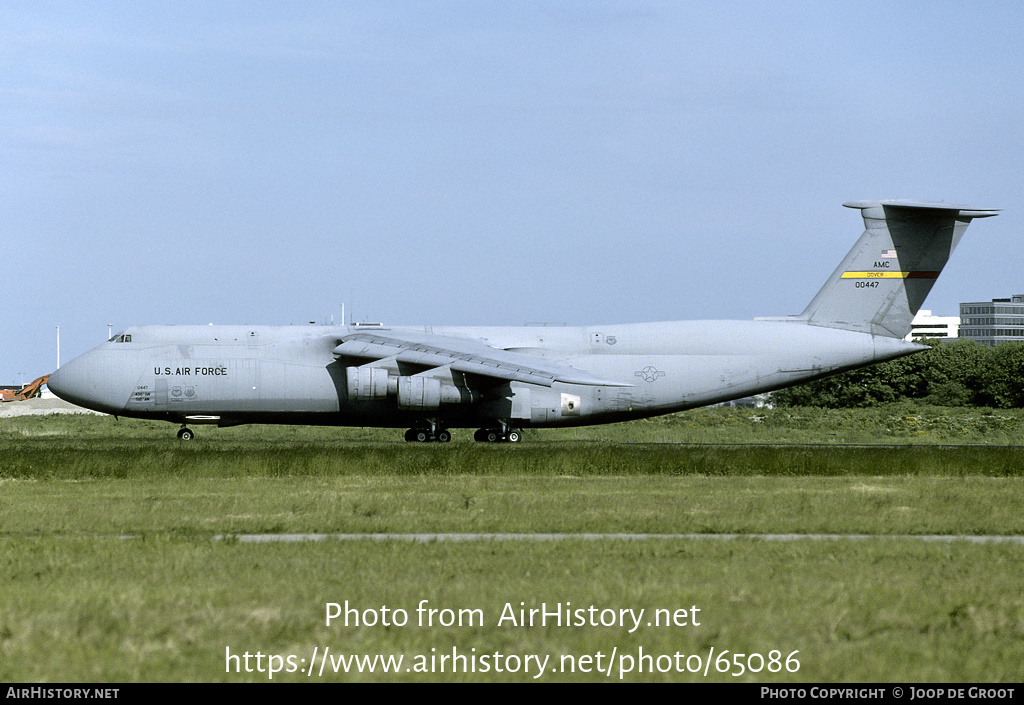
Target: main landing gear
[
  {"x": 425, "y": 435},
  {"x": 496, "y": 435},
  {"x": 186, "y": 434},
  {"x": 484, "y": 435}
]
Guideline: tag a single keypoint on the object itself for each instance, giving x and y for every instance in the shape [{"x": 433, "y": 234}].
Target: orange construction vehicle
[{"x": 32, "y": 389}]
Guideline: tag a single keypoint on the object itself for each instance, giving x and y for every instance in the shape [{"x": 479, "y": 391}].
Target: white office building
[
  {"x": 925, "y": 325},
  {"x": 993, "y": 322}
]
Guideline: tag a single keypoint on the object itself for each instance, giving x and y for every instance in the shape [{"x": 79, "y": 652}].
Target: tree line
[{"x": 960, "y": 373}]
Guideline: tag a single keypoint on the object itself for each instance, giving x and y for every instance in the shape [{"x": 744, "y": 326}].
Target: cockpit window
[{"x": 121, "y": 338}]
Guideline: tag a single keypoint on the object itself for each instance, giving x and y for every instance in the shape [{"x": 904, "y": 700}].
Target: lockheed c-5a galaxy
[{"x": 500, "y": 380}]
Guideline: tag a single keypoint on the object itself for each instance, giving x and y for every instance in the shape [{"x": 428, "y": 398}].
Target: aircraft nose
[{"x": 92, "y": 381}]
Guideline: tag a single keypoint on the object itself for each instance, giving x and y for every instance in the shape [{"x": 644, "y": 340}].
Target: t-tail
[{"x": 880, "y": 285}]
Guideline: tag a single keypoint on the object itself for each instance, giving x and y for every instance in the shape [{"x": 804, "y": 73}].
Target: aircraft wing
[{"x": 464, "y": 355}]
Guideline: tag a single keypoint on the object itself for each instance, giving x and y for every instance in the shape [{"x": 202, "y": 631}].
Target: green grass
[
  {"x": 109, "y": 570},
  {"x": 203, "y": 507},
  {"x": 167, "y": 609},
  {"x": 894, "y": 424}
]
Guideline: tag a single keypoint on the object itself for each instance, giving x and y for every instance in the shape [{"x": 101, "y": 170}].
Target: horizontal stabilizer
[{"x": 963, "y": 211}]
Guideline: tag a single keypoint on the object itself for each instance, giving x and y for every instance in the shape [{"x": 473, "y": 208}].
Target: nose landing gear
[{"x": 186, "y": 434}]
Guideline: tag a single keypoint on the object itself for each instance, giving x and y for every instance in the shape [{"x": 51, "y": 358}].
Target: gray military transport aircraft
[{"x": 502, "y": 379}]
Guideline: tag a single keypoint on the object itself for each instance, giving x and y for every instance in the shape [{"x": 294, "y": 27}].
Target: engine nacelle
[
  {"x": 417, "y": 393},
  {"x": 429, "y": 393},
  {"x": 366, "y": 383}
]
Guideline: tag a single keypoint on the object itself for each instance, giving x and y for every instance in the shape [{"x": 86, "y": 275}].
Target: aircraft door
[
  {"x": 545, "y": 406},
  {"x": 248, "y": 385},
  {"x": 521, "y": 403},
  {"x": 160, "y": 393}
]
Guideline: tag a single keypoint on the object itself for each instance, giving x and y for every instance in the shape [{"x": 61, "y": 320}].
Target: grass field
[{"x": 112, "y": 569}]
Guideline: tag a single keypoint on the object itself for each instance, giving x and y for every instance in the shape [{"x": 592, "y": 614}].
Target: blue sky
[{"x": 483, "y": 162}]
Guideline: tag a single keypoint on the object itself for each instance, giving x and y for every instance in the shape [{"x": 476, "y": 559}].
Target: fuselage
[{"x": 291, "y": 374}]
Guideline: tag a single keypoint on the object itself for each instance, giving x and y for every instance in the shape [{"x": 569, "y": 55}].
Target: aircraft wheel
[
  {"x": 422, "y": 435},
  {"x": 444, "y": 435},
  {"x": 410, "y": 435},
  {"x": 186, "y": 434},
  {"x": 514, "y": 435},
  {"x": 492, "y": 435}
]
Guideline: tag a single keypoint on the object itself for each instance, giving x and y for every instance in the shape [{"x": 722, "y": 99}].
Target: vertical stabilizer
[{"x": 885, "y": 278}]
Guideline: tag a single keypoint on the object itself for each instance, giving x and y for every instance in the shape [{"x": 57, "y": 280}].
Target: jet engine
[
  {"x": 413, "y": 392},
  {"x": 425, "y": 393},
  {"x": 369, "y": 383}
]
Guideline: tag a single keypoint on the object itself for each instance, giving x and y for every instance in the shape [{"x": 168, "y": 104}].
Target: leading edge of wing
[{"x": 465, "y": 355}]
